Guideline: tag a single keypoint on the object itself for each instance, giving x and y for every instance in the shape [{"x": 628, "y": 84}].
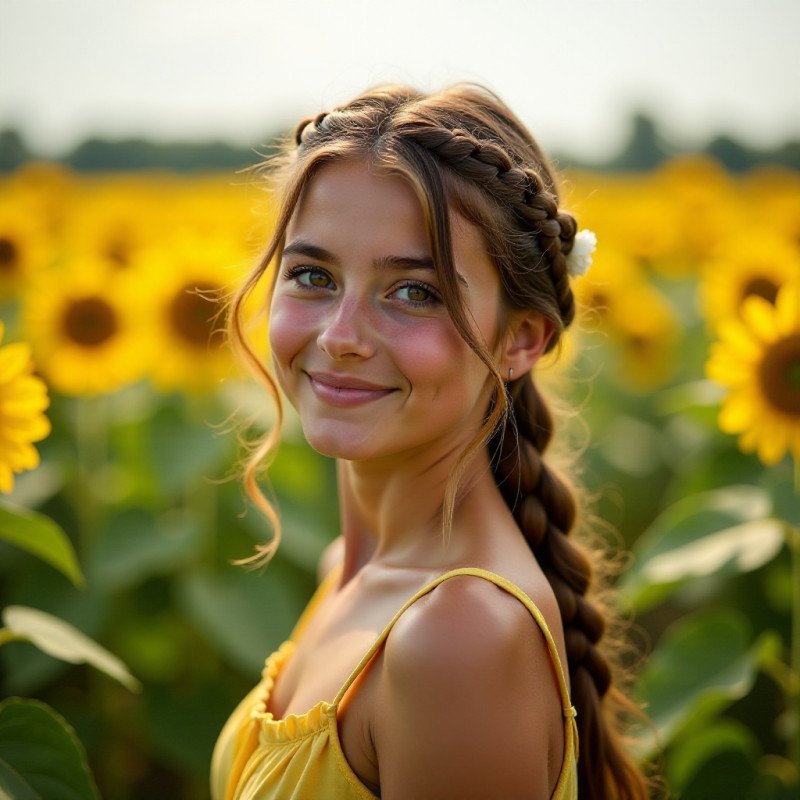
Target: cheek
[
  {"x": 434, "y": 357},
  {"x": 290, "y": 326}
]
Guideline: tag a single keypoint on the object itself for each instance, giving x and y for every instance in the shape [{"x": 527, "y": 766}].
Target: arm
[{"x": 468, "y": 705}]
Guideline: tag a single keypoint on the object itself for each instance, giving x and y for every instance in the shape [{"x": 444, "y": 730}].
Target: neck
[{"x": 392, "y": 514}]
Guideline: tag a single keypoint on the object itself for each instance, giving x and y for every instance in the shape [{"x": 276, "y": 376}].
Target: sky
[{"x": 239, "y": 70}]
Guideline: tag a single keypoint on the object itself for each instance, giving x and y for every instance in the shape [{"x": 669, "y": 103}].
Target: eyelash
[{"x": 294, "y": 273}]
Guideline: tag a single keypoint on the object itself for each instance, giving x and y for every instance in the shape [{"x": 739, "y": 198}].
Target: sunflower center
[
  {"x": 193, "y": 311},
  {"x": 780, "y": 375},
  {"x": 9, "y": 253},
  {"x": 761, "y": 287},
  {"x": 90, "y": 321},
  {"x": 118, "y": 251}
]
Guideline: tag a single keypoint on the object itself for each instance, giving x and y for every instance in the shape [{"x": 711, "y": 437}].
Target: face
[{"x": 362, "y": 344}]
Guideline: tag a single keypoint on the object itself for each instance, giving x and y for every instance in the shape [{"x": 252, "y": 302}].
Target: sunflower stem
[{"x": 91, "y": 444}]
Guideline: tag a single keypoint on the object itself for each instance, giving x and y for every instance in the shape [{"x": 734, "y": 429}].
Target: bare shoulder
[
  {"x": 468, "y": 695},
  {"x": 465, "y": 620}
]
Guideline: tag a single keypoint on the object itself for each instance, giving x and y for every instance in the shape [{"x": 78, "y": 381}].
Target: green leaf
[
  {"x": 693, "y": 750},
  {"x": 41, "y": 536},
  {"x": 247, "y": 615},
  {"x": 61, "y": 640},
  {"x": 710, "y": 533},
  {"x": 13, "y": 786},
  {"x": 139, "y": 545},
  {"x": 701, "y": 664},
  {"x": 40, "y": 756}
]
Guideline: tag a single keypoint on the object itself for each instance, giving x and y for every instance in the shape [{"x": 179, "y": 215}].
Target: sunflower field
[{"x": 126, "y": 634}]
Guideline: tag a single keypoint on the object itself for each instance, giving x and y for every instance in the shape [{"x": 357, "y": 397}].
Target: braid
[
  {"x": 545, "y": 510},
  {"x": 520, "y": 188}
]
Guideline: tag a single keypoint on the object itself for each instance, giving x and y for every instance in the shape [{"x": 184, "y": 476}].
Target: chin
[{"x": 341, "y": 444}]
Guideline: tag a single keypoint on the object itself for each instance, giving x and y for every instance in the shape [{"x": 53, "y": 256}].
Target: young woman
[{"x": 422, "y": 267}]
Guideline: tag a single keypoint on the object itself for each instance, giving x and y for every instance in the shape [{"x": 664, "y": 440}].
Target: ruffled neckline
[{"x": 292, "y": 726}]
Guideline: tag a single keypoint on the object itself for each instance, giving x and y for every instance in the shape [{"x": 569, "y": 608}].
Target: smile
[{"x": 343, "y": 391}]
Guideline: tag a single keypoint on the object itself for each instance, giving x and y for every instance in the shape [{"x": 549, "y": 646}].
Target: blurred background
[{"x": 128, "y": 211}]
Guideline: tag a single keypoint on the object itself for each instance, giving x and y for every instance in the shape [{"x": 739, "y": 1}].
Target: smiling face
[{"x": 362, "y": 344}]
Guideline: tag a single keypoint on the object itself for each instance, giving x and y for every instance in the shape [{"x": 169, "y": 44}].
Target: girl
[{"x": 423, "y": 266}]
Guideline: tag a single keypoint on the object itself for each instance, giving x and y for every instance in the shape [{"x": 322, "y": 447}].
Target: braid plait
[
  {"x": 519, "y": 187},
  {"x": 545, "y": 511}
]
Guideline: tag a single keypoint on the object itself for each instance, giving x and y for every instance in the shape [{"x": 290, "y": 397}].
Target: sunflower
[
  {"x": 23, "y": 399},
  {"x": 745, "y": 266},
  {"x": 25, "y": 249},
  {"x": 758, "y": 359},
  {"x": 646, "y": 331},
  {"x": 85, "y": 323},
  {"x": 113, "y": 222},
  {"x": 188, "y": 285}
]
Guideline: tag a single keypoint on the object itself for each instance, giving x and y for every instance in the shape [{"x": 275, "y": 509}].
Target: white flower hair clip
[{"x": 580, "y": 257}]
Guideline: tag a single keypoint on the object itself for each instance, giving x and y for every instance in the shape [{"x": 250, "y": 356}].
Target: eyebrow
[{"x": 301, "y": 247}]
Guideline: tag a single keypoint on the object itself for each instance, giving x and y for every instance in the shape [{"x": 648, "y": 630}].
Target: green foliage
[
  {"x": 41, "y": 536},
  {"x": 40, "y": 756}
]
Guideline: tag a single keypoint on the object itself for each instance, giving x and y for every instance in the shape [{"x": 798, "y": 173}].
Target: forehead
[
  {"x": 352, "y": 206},
  {"x": 346, "y": 194}
]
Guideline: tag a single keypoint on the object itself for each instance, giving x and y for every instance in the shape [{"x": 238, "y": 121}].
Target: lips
[{"x": 345, "y": 391}]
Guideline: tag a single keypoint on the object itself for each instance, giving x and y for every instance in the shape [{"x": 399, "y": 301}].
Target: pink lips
[{"x": 344, "y": 391}]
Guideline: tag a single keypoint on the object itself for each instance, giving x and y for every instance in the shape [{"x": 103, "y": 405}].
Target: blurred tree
[{"x": 14, "y": 151}]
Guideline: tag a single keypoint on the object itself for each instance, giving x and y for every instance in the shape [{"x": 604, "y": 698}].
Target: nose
[{"x": 347, "y": 333}]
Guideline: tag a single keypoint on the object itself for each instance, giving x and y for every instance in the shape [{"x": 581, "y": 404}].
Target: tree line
[{"x": 645, "y": 148}]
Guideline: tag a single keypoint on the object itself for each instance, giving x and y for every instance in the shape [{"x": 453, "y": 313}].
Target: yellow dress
[{"x": 300, "y": 757}]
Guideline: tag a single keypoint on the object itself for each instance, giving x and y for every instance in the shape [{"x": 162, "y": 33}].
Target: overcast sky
[{"x": 239, "y": 69}]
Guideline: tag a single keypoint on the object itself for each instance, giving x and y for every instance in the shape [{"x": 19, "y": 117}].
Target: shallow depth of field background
[{"x": 117, "y": 245}]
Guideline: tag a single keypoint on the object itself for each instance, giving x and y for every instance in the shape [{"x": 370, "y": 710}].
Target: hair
[{"x": 462, "y": 150}]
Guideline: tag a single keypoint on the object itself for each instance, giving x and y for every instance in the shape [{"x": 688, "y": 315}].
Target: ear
[{"x": 525, "y": 342}]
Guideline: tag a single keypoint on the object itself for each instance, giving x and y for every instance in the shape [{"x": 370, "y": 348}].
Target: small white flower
[{"x": 580, "y": 257}]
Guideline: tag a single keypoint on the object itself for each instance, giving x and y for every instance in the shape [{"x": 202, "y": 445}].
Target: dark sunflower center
[
  {"x": 598, "y": 301},
  {"x": 118, "y": 251},
  {"x": 761, "y": 287},
  {"x": 780, "y": 375},
  {"x": 90, "y": 321},
  {"x": 193, "y": 311},
  {"x": 9, "y": 254}
]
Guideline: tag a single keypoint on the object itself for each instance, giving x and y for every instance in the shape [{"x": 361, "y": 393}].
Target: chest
[{"x": 339, "y": 636}]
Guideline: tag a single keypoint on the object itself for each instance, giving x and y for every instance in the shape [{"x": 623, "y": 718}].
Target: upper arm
[{"x": 468, "y": 703}]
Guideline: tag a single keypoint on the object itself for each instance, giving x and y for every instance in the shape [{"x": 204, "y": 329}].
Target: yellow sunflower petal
[
  {"x": 738, "y": 337},
  {"x": 737, "y": 413},
  {"x": 759, "y": 316},
  {"x": 15, "y": 359},
  {"x": 772, "y": 445},
  {"x": 6, "y": 478},
  {"x": 788, "y": 309}
]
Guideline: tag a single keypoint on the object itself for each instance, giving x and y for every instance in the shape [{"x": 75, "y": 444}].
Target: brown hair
[{"x": 462, "y": 149}]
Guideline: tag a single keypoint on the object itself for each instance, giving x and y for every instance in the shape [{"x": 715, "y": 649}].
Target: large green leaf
[
  {"x": 138, "y": 545},
  {"x": 40, "y": 756},
  {"x": 41, "y": 536},
  {"x": 701, "y": 664},
  {"x": 246, "y": 615},
  {"x": 689, "y": 753},
  {"x": 721, "y": 532},
  {"x": 61, "y": 640}
]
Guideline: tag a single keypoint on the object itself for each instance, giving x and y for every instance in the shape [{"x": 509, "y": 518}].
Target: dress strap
[{"x": 503, "y": 583}]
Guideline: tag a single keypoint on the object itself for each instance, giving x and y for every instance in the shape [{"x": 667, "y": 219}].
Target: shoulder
[
  {"x": 463, "y": 617},
  {"x": 468, "y": 695}
]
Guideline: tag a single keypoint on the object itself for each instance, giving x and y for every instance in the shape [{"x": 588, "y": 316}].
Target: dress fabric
[{"x": 300, "y": 757}]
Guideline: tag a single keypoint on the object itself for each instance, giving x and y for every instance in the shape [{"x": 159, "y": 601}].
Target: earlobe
[{"x": 527, "y": 342}]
